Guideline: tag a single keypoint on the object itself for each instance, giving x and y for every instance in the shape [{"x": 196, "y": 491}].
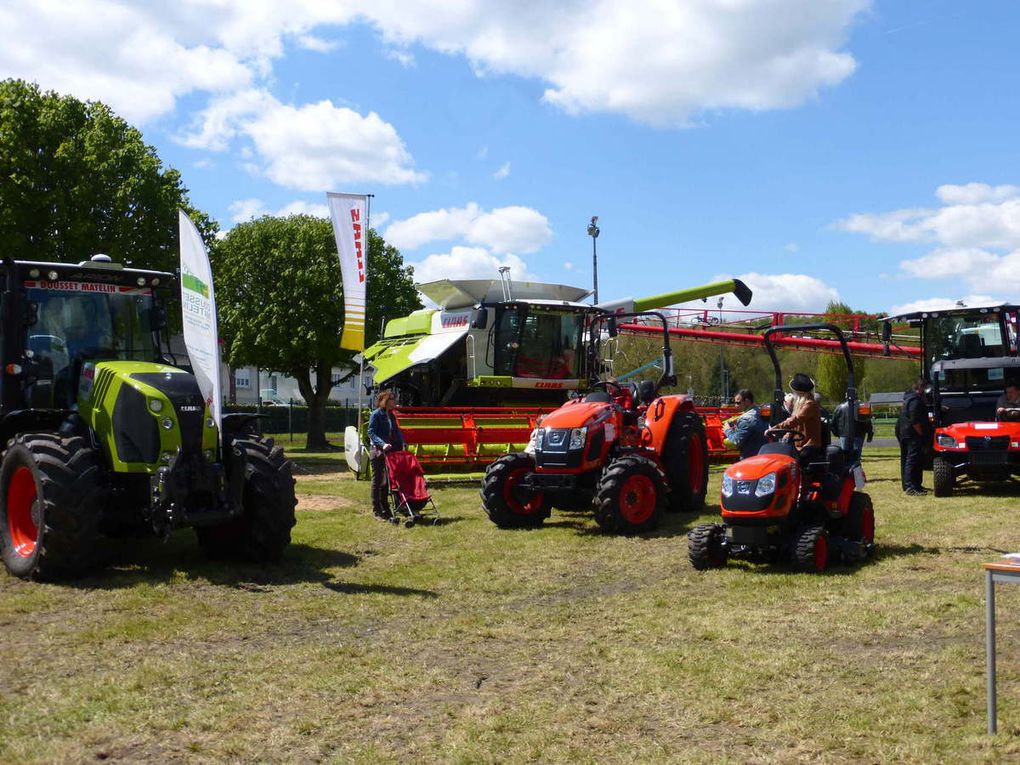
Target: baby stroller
[{"x": 408, "y": 488}]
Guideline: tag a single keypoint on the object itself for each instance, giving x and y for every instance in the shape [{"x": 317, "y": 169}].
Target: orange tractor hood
[
  {"x": 576, "y": 414},
  {"x": 755, "y": 467}
]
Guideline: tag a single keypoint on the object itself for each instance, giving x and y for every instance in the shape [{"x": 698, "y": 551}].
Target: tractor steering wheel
[
  {"x": 604, "y": 385},
  {"x": 796, "y": 437}
]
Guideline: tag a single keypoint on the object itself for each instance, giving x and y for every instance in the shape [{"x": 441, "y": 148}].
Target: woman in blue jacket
[{"x": 383, "y": 435}]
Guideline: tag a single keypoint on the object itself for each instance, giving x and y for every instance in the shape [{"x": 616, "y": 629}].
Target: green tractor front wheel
[
  {"x": 51, "y": 496},
  {"x": 262, "y": 531}
]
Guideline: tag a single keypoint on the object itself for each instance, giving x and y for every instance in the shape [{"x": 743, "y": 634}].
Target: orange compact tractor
[
  {"x": 803, "y": 505},
  {"x": 623, "y": 450}
]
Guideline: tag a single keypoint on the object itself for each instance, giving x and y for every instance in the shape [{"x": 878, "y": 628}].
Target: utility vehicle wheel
[
  {"x": 706, "y": 546},
  {"x": 502, "y": 503},
  {"x": 859, "y": 523},
  {"x": 944, "y": 480},
  {"x": 631, "y": 496},
  {"x": 262, "y": 531},
  {"x": 50, "y": 500},
  {"x": 685, "y": 456},
  {"x": 811, "y": 549}
]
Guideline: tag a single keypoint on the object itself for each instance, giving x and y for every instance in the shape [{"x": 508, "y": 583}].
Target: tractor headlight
[
  {"x": 577, "y": 436},
  {"x": 155, "y": 405},
  {"x": 167, "y": 423},
  {"x": 727, "y": 486},
  {"x": 946, "y": 441},
  {"x": 766, "y": 485}
]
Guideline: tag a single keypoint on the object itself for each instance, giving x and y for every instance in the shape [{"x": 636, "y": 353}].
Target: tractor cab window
[
  {"x": 965, "y": 337},
  {"x": 77, "y": 320},
  {"x": 537, "y": 343}
]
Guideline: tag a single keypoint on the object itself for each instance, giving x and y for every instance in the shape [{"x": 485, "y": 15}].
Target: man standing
[
  {"x": 863, "y": 428},
  {"x": 914, "y": 433},
  {"x": 748, "y": 430}
]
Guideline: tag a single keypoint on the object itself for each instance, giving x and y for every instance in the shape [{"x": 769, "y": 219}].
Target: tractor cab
[
  {"x": 538, "y": 340},
  {"x": 786, "y": 501}
]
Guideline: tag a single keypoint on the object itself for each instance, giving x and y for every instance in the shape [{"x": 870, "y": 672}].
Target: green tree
[
  {"x": 75, "y": 179},
  {"x": 281, "y": 305},
  {"x": 832, "y": 372}
]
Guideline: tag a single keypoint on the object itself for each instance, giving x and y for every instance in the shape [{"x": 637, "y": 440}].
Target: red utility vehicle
[
  {"x": 623, "y": 450},
  {"x": 782, "y": 503}
]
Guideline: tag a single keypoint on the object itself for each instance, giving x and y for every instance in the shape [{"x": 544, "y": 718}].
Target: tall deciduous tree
[
  {"x": 281, "y": 306},
  {"x": 75, "y": 179},
  {"x": 832, "y": 371}
]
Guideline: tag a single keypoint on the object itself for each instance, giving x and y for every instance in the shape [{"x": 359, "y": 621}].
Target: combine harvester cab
[
  {"x": 969, "y": 355},
  {"x": 473, "y": 375}
]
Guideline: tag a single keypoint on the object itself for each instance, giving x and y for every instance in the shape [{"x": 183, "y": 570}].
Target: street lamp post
[
  {"x": 593, "y": 232},
  {"x": 723, "y": 382}
]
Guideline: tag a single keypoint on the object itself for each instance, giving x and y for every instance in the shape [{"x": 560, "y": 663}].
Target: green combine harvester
[
  {"x": 473, "y": 375},
  {"x": 105, "y": 435}
]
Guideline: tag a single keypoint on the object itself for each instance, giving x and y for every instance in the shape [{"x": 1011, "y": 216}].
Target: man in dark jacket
[
  {"x": 840, "y": 426},
  {"x": 913, "y": 430}
]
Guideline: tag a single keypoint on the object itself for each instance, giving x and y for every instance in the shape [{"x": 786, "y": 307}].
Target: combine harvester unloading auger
[{"x": 474, "y": 375}]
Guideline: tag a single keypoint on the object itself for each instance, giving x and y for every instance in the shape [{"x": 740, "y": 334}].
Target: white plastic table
[{"x": 995, "y": 573}]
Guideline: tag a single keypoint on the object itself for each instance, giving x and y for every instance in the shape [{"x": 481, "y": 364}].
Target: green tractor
[{"x": 105, "y": 436}]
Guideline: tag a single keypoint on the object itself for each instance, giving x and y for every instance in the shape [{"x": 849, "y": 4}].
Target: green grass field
[{"x": 463, "y": 643}]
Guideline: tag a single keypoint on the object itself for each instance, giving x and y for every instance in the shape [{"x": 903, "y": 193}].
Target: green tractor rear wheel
[
  {"x": 51, "y": 496},
  {"x": 262, "y": 531}
]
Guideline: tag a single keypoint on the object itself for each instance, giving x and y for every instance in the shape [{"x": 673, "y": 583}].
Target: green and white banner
[{"x": 198, "y": 304}]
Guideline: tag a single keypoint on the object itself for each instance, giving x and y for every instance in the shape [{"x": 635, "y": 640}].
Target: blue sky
[{"x": 865, "y": 150}]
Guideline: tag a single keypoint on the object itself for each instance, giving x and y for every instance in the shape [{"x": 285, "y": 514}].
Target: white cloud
[
  {"x": 785, "y": 292},
  {"x": 317, "y": 44},
  {"x": 792, "y": 247},
  {"x": 936, "y": 304},
  {"x": 503, "y": 172},
  {"x": 568, "y": 266},
  {"x": 659, "y": 63},
  {"x": 243, "y": 210},
  {"x": 976, "y": 234},
  {"x": 503, "y": 230},
  {"x": 312, "y": 147},
  {"x": 402, "y": 56},
  {"x": 469, "y": 263}
]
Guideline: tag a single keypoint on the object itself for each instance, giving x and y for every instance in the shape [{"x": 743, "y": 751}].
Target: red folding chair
[{"x": 408, "y": 488}]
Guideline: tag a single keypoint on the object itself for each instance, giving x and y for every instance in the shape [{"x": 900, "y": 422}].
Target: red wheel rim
[
  {"x": 696, "y": 464},
  {"x": 868, "y": 526},
  {"x": 23, "y": 527},
  {"x": 534, "y": 503},
  {"x": 821, "y": 553},
  {"x": 638, "y": 499}
]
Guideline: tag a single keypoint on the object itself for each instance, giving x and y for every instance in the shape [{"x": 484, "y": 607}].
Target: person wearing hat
[{"x": 806, "y": 417}]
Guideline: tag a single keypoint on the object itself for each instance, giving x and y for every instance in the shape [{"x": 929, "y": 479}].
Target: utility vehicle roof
[
  {"x": 953, "y": 311},
  {"x": 1003, "y": 362}
]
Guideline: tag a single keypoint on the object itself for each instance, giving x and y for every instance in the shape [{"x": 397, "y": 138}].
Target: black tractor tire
[
  {"x": 262, "y": 531},
  {"x": 51, "y": 496},
  {"x": 685, "y": 457},
  {"x": 942, "y": 477},
  {"x": 811, "y": 549},
  {"x": 705, "y": 546},
  {"x": 498, "y": 500},
  {"x": 631, "y": 496},
  {"x": 859, "y": 524}
]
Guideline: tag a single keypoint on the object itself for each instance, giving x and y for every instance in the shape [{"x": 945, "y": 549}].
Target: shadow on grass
[
  {"x": 351, "y": 588},
  {"x": 671, "y": 525},
  {"x": 132, "y": 562}
]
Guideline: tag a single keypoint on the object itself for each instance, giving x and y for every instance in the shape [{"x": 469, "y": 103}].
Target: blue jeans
[{"x": 852, "y": 451}]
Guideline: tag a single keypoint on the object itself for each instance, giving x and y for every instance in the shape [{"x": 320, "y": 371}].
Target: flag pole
[{"x": 368, "y": 255}]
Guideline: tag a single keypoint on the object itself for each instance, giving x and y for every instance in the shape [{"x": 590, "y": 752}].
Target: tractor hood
[
  {"x": 755, "y": 467},
  {"x": 577, "y": 414},
  {"x": 144, "y": 413}
]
